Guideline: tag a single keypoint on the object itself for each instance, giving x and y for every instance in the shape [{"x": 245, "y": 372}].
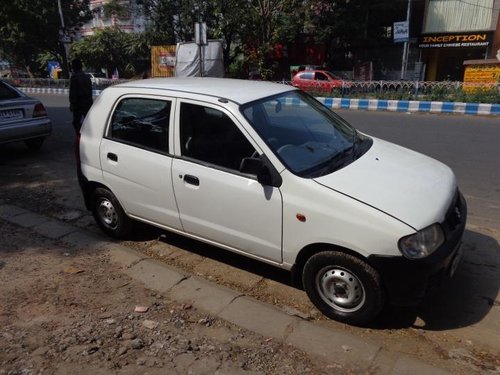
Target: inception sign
[{"x": 481, "y": 39}]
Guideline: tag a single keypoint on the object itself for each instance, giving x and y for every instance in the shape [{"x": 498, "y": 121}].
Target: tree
[
  {"x": 30, "y": 28},
  {"x": 347, "y": 27},
  {"x": 111, "y": 48},
  {"x": 254, "y": 25},
  {"x": 267, "y": 25}
]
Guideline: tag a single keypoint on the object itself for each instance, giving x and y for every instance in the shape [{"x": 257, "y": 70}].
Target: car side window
[
  {"x": 306, "y": 76},
  {"x": 210, "y": 136},
  {"x": 321, "y": 77},
  {"x": 142, "y": 122}
]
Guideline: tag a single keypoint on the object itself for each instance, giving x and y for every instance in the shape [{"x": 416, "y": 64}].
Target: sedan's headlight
[{"x": 423, "y": 243}]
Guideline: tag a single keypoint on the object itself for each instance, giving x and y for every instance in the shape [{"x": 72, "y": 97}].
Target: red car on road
[{"x": 319, "y": 81}]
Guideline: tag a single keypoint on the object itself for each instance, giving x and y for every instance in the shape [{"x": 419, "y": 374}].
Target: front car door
[{"x": 217, "y": 202}]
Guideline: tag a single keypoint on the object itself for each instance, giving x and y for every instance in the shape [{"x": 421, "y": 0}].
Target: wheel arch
[
  {"x": 312, "y": 249},
  {"x": 88, "y": 187}
]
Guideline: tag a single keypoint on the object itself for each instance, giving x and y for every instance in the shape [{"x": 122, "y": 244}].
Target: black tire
[
  {"x": 109, "y": 214},
  {"x": 343, "y": 287},
  {"x": 35, "y": 143}
]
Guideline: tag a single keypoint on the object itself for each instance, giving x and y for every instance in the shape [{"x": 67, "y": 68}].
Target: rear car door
[
  {"x": 216, "y": 201},
  {"x": 136, "y": 158}
]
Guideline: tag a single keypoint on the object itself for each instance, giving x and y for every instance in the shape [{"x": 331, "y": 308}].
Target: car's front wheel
[
  {"x": 109, "y": 214},
  {"x": 343, "y": 287}
]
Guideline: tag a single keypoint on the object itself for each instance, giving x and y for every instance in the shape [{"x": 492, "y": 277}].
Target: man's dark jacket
[{"x": 80, "y": 92}]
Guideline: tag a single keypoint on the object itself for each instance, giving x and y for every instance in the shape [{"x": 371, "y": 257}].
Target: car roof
[{"x": 236, "y": 90}]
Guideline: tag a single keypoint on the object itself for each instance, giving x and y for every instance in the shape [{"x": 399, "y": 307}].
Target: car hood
[{"x": 409, "y": 186}]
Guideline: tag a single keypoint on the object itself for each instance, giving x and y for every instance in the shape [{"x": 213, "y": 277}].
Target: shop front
[{"x": 444, "y": 53}]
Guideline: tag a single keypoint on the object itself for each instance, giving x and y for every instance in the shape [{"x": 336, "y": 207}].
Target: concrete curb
[
  {"x": 267, "y": 320},
  {"x": 411, "y": 106}
]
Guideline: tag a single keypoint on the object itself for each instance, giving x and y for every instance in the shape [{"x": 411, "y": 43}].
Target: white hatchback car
[{"x": 267, "y": 171}]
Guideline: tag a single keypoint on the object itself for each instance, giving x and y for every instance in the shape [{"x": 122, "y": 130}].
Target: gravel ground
[{"x": 70, "y": 311}]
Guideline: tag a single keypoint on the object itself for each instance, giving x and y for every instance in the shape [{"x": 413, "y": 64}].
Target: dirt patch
[{"x": 70, "y": 311}]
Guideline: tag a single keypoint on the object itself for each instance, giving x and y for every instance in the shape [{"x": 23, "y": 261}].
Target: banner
[
  {"x": 401, "y": 33},
  {"x": 163, "y": 61}
]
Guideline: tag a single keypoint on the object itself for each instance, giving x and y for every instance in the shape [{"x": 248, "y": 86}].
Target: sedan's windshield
[{"x": 308, "y": 138}]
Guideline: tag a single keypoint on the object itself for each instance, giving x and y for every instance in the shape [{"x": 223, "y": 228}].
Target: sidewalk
[{"x": 327, "y": 344}]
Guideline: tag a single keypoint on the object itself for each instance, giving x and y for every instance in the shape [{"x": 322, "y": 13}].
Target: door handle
[
  {"x": 192, "y": 180},
  {"x": 112, "y": 157}
]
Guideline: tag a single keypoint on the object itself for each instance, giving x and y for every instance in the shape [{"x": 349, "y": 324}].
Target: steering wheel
[{"x": 283, "y": 148}]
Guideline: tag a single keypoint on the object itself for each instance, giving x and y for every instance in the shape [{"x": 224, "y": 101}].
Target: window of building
[
  {"x": 210, "y": 136},
  {"x": 142, "y": 122},
  {"x": 458, "y": 15}
]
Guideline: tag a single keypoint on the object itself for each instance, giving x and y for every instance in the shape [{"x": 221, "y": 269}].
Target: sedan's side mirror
[{"x": 263, "y": 169}]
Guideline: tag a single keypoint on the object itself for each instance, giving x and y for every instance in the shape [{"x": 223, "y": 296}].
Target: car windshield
[{"x": 306, "y": 136}]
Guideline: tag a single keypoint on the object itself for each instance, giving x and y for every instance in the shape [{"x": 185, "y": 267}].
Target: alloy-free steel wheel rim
[
  {"x": 107, "y": 213},
  {"x": 340, "y": 289}
]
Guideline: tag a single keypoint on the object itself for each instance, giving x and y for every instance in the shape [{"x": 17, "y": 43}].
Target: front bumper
[{"x": 407, "y": 281}]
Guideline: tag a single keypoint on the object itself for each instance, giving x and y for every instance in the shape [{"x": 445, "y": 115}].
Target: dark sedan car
[{"x": 22, "y": 118}]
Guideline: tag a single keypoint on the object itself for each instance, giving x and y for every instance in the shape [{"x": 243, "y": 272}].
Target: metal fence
[{"x": 402, "y": 90}]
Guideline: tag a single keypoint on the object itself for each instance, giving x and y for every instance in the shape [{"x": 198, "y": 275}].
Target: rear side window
[
  {"x": 7, "y": 93},
  {"x": 306, "y": 76},
  {"x": 142, "y": 122}
]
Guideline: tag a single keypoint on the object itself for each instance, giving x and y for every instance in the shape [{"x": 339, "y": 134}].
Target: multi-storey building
[{"x": 130, "y": 19}]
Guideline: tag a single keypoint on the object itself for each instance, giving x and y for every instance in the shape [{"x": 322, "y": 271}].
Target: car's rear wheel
[
  {"x": 109, "y": 214},
  {"x": 34, "y": 143},
  {"x": 343, "y": 287}
]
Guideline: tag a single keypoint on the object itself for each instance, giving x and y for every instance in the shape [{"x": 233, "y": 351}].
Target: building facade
[
  {"x": 130, "y": 17},
  {"x": 454, "y": 31}
]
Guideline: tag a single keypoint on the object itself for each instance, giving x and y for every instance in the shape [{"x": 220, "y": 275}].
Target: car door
[
  {"x": 322, "y": 82},
  {"x": 136, "y": 158},
  {"x": 216, "y": 201}
]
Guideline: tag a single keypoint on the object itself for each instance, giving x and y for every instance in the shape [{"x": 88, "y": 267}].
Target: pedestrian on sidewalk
[{"x": 80, "y": 94}]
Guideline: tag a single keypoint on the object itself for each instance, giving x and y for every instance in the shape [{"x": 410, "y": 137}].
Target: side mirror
[
  {"x": 263, "y": 169},
  {"x": 251, "y": 166}
]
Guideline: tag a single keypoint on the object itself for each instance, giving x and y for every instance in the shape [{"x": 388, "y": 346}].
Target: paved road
[{"x": 467, "y": 309}]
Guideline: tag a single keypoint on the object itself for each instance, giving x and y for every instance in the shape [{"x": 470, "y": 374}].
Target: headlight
[{"x": 423, "y": 243}]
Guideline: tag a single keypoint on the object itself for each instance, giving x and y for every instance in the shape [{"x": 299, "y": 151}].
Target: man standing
[{"x": 80, "y": 94}]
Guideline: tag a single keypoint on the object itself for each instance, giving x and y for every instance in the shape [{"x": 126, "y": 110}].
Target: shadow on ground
[{"x": 461, "y": 301}]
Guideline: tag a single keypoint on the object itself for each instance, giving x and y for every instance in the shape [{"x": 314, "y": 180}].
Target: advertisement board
[
  {"x": 163, "y": 61},
  {"x": 481, "y": 76},
  {"x": 480, "y": 39},
  {"x": 401, "y": 33}
]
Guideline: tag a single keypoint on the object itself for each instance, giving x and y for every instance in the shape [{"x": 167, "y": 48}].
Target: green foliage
[
  {"x": 479, "y": 95},
  {"x": 114, "y": 9},
  {"x": 112, "y": 49},
  {"x": 255, "y": 26},
  {"x": 29, "y": 29}
]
